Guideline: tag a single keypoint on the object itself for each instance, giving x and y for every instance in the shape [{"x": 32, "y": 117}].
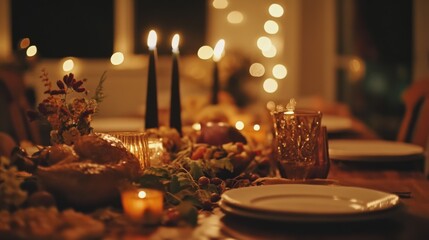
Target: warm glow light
[
  {"x": 205, "y": 52},
  {"x": 270, "y": 85},
  {"x": 356, "y": 69},
  {"x": 218, "y": 50},
  {"x": 31, "y": 51},
  {"x": 264, "y": 43},
  {"x": 271, "y": 27},
  {"x": 117, "y": 58},
  {"x": 196, "y": 126},
  {"x": 220, "y": 4},
  {"x": 355, "y": 65},
  {"x": 151, "y": 39},
  {"x": 142, "y": 194},
  {"x": 235, "y": 17},
  {"x": 68, "y": 65},
  {"x": 24, "y": 43},
  {"x": 271, "y": 105},
  {"x": 276, "y": 10},
  {"x": 175, "y": 43},
  {"x": 279, "y": 71},
  {"x": 239, "y": 125},
  {"x": 256, "y": 127},
  {"x": 257, "y": 70},
  {"x": 270, "y": 53}
]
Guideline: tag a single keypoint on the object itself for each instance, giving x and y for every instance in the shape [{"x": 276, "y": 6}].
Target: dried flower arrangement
[{"x": 68, "y": 115}]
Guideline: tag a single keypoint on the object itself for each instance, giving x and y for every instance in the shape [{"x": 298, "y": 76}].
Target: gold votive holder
[
  {"x": 143, "y": 205},
  {"x": 137, "y": 144},
  {"x": 156, "y": 151}
]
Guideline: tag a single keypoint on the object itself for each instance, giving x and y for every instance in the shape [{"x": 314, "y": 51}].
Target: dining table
[{"x": 409, "y": 219}]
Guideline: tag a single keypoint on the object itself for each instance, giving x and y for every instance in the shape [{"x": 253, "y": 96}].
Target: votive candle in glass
[{"x": 143, "y": 205}]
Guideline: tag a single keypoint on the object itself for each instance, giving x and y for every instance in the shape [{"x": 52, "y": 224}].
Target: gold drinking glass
[
  {"x": 296, "y": 142},
  {"x": 137, "y": 144}
]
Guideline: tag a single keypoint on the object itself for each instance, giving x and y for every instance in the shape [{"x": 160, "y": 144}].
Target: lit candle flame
[
  {"x": 151, "y": 40},
  {"x": 175, "y": 43},
  {"x": 218, "y": 50}
]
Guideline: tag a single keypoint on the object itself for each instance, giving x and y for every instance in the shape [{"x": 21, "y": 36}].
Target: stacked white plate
[
  {"x": 308, "y": 203},
  {"x": 373, "y": 150},
  {"x": 336, "y": 123}
]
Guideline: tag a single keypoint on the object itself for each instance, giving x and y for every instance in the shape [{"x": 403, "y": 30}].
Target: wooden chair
[
  {"x": 415, "y": 123},
  {"x": 7, "y": 144},
  {"x": 14, "y": 119}
]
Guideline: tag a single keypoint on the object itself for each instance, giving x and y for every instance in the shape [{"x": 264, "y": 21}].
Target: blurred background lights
[
  {"x": 235, "y": 17},
  {"x": 239, "y": 125},
  {"x": 264, "y": 43},
  {"x": 117, "y": 58},
  {"x": 356, "y": 69},
  {"x": 205, "y": 52},
  {"x": 270, "y": 53},
  {"x": 276, "y": 10},
  {"x": 279, "y": 71},
  {"x": 220, "y": 4},
  {"x": 196, "y": 126},
  {"x": 24, "y": 43},
  {"x": 256, "y": 127},
  {"x": 257, "y": 70},
  {"x": 31, "y": 51},
  {"x": 271, "y": 105},
  {"x": 270, "y": 85},
  {"x": 68, "y": 65},
  {"x": 271, "y": 27}
]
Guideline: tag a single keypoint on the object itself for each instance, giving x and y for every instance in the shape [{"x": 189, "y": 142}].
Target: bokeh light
[
  {"x": 264, "y": 43},
  {"x": 205, "y": 52},
  {"x": 276, "y": 10},
  {"x": 257, "y": 70},
  {"x": 270, "y": 53},
  {"x": 117, "y": 58},
  {"x": 24, "y": 43},
  {"x": 271, "y": 27},
  {"x": 271, "y": 105},
  {"x": 220, "y": 4},
  {"x": 239, "y": 125},
  {"x": 235, "y": 17},
  {"x": 31, "y": 51},
  {"x": 279, "y": 71},
  {"x": 256, "y": 127},
  {"x": 270, "y": 85},
  {"x": 68, "y": 65}
]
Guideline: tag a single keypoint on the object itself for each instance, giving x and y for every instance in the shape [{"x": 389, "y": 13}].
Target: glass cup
[
  {"x": 296, "y": 142},
  {"x": 137, "y": 144}
]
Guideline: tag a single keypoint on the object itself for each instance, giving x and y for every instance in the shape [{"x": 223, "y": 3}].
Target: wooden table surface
[{"x": 409, "y": 221}]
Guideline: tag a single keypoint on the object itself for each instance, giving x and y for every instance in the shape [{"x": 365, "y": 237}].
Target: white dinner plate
[
  {"x": 304, "y": 202},
  {"x": 335, "y": 123},
  {"x": 114, "y": 124},
  {"x": 373, "y": 150}
]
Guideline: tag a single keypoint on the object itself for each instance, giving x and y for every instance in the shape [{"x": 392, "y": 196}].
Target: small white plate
[
  {"x": 373, "y": 150},
  {"x": 335, "y": 123},
  {"x": 304, "y": 202}
]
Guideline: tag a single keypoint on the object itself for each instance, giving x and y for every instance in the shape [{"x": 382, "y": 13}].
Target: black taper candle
[
  {"x": 151, "y": 118},
  {"x": 215, "y": 84},
  {"x": 175, "y": 104}
]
